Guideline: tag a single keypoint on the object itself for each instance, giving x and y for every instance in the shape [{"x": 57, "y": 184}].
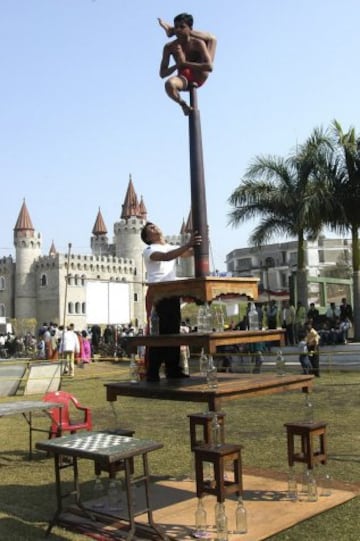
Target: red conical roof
[
  {"x": 99, "y": 225},
  {"x": 142, "y": 208},
  {"x": 52, "y": 251},
  {"x": 131, "y": 205},
  {"x": 24, "y": 222}
]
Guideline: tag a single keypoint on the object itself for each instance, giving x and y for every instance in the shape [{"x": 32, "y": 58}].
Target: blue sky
[{"x": 82, "y": 106}]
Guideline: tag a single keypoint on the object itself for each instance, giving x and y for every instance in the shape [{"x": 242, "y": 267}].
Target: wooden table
[
  {"x": 106, "y": 449},
  {"x": 209, "y": 341},
  {"x": 27, "y": 408},
  {"x": 194, "y": 389}
]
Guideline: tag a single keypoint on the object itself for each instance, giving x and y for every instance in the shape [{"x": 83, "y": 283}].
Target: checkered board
[{"x": 97, "y": 442}]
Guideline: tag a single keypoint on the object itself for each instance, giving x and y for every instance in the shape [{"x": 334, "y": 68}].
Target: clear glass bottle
[
  {"x": 309, "y": 409},
  {"x": 221, "y": 522},
  {"x": 98, "y": 493},
  {"x": 326, "y": 485},
  {"x": 200, "y": 319},
  {"x": 292, "y": 485},
  {"x": 312, "y": 487},
  {"x": 253, "y": 318},
  {"x": 203, "y": 363},
  {"x": 215, "y": 431},
  {"x": 114, "y": 495},
  {"x": 305, "y": 482},
  {"x": 211, "y": 374},
  {"x": 133, "y": 370},
  {"x": 240, "y": 517},
  {"x": 154, "y": 322},
  {"x": 280, "y": 364},
  {"x": 200, "y": 519},
  {"x": 208, "y": 319}
]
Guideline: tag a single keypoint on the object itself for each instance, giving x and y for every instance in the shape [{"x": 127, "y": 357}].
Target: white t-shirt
[{"x": 159, "y": 271}]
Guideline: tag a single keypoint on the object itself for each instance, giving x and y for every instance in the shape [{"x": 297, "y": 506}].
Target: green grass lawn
[{"x": 27, "y": 493}]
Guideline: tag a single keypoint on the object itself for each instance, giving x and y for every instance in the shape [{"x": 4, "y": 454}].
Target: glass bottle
[
  {"x": 221, "y": 522},
  {"x": 113, "y": 495},
  {"x": 200, "y": 319},
  {"x": 305, "y": 482},
  {"x": 208, "y": 320},
  {"x": 253, "y": 318},
  {"x": 240, "y": 517},
  {"x": 309, "y": 409},
  {"x": 98, "y": 493},
  {"x": 280, "y": 364},
  {"x": 200, "y": 519},
  {"x": 154, "y": 322},
  {"x": 133, "y": 370},
  {"x": 211, "y": 374},
  {"x": 292, "y": 485},
  {"x": 326, "y": 485},
  {"x": 312, "y": 488},
  {"x": 215, "y": 431},
  {"x": 203, "y": 363}
]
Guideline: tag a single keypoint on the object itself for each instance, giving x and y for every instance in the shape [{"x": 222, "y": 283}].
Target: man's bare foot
[
  {"x": 185, "y": 107},
  {"x": 169, "y": 30}
]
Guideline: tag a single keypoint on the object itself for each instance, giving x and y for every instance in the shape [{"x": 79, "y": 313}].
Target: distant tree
[
  {"x": 344, "y": 196},
  {"x": 288, "y": 196}
]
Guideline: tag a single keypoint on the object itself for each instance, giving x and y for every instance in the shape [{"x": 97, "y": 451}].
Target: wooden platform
[
  {"x": 209, "y": 341},
  {"x": 205, "y": 289},
  {"x": 194, "y": 389}
]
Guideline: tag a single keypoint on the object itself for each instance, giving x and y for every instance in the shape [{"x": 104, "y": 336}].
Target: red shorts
[{"x": 191, "y": 76}]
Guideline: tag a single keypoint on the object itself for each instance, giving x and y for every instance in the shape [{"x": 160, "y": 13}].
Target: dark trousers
[
  {"x": 313, "y": 353},
  {"x": 169, "y": 314}
]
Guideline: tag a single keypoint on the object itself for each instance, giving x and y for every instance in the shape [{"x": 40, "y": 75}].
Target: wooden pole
[{"x": 198, "y": 195}]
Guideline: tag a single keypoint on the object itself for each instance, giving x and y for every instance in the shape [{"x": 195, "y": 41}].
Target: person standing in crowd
[
  {"x": 288, "y": 322},
  {"x": 69, "y": 346},
  {"x": 313, "y": 314},
  {"x": 160, "y": 259},
  {"x": 85, "y": 349},
  {"x": 272, "y": 314}
]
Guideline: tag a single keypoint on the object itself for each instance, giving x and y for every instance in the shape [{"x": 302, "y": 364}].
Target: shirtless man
[{"x": 193, "y": 52}]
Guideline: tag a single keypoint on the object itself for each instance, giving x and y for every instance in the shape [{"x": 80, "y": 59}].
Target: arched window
[
  {"x": 43, "y": 280},
  {"x": 77, "y": 308},
  {"x": 135, "y": 297},
  {"x": 2, "y": 282},
  {"x": 2, "y": 310},
  {"x": 70, "y": 307},
  {"x": 83, "y": 308}
]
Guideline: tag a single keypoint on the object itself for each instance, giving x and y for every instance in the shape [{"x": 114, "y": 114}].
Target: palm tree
[
  {"x": 344, "y": 188},
  {"x": 288, "y": 195}
]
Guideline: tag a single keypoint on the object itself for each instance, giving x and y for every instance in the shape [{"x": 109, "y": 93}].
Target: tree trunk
[
  {"x": 301, "y": 274},
  {"x": 356, "y": 280}
]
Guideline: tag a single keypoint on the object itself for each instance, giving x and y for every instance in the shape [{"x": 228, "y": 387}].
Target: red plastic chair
[{"x": 60, "y": 417}]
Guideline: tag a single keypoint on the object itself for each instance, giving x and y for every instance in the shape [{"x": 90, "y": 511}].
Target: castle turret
[
  {"x": 128, "y": 243},
  {"x": 99, "y": 240},
  {"x": 28, "y": 249}
]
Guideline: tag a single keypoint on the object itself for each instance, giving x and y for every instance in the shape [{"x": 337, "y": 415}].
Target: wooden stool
[
  {"x": 204, "y": 420},
  {"x": 115, "y": 467},
  {"x": 307, "y": 432},
  {"x": 218, "y": 455}
]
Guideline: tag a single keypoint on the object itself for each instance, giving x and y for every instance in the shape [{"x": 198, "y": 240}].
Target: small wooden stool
[
  {"x": 309, "y": 454},
  {"x": 204, "y": 420},
  {"x": 114, "y": 467},
  {"x": 218, "y": 455}
]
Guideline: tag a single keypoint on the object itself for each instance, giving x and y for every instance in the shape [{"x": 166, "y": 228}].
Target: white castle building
[{"x": 107, "y": 286}]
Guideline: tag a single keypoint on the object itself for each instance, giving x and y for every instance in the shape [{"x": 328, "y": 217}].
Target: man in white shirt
[{"x": 160, "y": 260}]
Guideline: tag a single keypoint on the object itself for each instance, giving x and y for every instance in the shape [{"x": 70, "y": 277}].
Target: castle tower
[
  {"x": 28, "y": 248},
  {"x": 99, "y": 240},
  {"x": 129, "y": 245}
]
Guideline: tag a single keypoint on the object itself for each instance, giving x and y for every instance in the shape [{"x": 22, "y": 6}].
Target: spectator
[
  {"x": 346, "y": 311},
  {"x": 331, "y": 314},
  {"x": 271, "y": 315},
  {"x": 288, "y": 322},
  {"x": 313, "y": 314}
]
